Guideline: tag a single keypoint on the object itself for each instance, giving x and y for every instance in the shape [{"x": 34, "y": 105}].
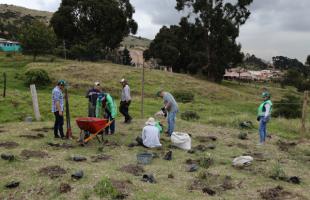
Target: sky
[{"x": 275, "y": 27}]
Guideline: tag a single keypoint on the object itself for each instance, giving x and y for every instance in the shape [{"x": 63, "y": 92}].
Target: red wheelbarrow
[{"x": 93, "y": 125}]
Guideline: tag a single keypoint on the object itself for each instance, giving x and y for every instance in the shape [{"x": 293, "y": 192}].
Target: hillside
[
  {"x": 15, "y": 15},
  {"x": 221, "y": 109}
]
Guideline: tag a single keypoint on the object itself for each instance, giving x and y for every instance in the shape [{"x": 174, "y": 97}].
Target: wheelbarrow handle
[{"x": 95, "y": 134}]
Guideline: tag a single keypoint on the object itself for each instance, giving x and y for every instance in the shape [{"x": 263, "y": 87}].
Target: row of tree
[{"x": 205, "y": 40}]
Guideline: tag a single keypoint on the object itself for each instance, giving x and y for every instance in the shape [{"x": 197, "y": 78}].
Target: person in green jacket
[
  {"x": 263, "y": 116},
  {"x": 106, "y": 103}
]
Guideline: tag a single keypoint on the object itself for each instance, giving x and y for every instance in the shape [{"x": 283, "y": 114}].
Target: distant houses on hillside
[
  {"x": 250, "y": 75},
  {"x": 9, "y": 46}
]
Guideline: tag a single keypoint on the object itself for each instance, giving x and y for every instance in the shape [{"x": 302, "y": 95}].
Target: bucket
[{"x": 144, "y": 158}]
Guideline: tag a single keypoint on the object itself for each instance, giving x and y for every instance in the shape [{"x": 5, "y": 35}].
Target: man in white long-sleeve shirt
[
  {"x": 150, "y": 137},
  {"x": 264, "y": 113},
  {"x": 125, "y": 101}
]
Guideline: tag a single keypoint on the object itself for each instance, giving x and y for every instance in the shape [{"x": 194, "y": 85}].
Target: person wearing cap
[
  {"x": 150, "y": 137},
  {"x": 263, "y": 116},
  {"x": 58, "y": 108},
  {"x": 92, "y": 96},
  {"x": 125, "y": 101},
  {"x": 106, "y": 103},
  {"x": 171, "y": 106}
]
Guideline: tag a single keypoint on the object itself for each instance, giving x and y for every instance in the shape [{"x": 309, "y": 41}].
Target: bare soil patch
[
  {"x": 64, "y": 145},
  {"x": 101, "y": 157},
  {"x": 285, "y": 146},
  {"x": 44, "y": 129},
  {"x": 64, "y": 188},
  {"x": 53, "y": 171},
  {"x": 136, "y": 170},
  {"x": 204, "y": 139},
  {"x": 110, "y": 143},
  {"x": 9, "y": 145},
  {"x": 36, "y": 154},
  {"x": 123, "y": 188},
  {"x": 37, "y": 136},
  {"x": 278, "y": 193}
]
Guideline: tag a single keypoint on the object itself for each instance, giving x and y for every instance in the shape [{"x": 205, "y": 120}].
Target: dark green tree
[
  {"x": 36, "y": 38},
  {"x": 308, "y": 61},
  {"x": 105, "y": 22},
  {"x": 220, "y": 21},
  {"x": 252, "y": 62},
  {"x": 126, "y": 57}
]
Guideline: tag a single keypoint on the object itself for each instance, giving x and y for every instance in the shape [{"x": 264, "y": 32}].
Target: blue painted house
[{"x": 9, "y": 46}]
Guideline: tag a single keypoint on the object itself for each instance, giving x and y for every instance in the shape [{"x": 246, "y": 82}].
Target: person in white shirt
[
  {"x": 150, "y": 137},
  {"x": 125, "y": 101}
]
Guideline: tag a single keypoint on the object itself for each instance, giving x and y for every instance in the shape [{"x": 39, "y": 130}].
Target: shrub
[
  {"x": 39, "y": 77},
  {"x": 288, "y": 107},
  {"x": 190, "y": 116},
  {"x": 183, "y": 96},
  {"x": 105, "y": 188}
]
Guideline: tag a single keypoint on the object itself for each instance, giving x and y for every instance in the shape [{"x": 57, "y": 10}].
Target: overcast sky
[{"x": 276, "y": 27}]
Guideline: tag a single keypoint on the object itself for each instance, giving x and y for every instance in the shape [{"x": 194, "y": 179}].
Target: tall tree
[
  {"x": 36, "y": 38},
  {"x": 308, "y": 61},
  {"x": 220, "y": 22},
  {"x": 126, "y": 57},
  {"x": 101, "y": 22}
]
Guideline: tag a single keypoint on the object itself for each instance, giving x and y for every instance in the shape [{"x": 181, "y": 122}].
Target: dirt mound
[
  {"x": 64, "y": 145},
  {"x": 44, "y": 129},
  {"x": 2, "y": 131},
  {"x": 203, "y": 139},
  {"x": 64, "y": 188},
  {"x": 276, "y": 193},
  {"x": 37, "y": 136},
  {"x": 285, "y": 146},
  {"x": 100, "y": 157},
  {"x": 52, "y": 171},
  {"x": 136, "y": 170},
  {"x": 110, "y": 143},
  {"x": 36, "y": 154},
  {"x": 9, "y": 145},
  {"x": 123, "y": 188}
]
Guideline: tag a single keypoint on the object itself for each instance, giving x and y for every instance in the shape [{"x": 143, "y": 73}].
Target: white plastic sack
[
  {"x": 181, "y": 140},
  {"x": 242, "y": 161}
]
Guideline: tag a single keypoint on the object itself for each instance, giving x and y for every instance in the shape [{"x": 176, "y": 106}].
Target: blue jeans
[
  {"x": 262, "y": 129},
  {"x": 171, "y": 122},
  {"x": 112, "y": 126}
]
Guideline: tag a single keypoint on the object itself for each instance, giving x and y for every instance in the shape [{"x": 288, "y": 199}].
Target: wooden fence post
[
  {"x": 4, "y": 84},
  {"x": 35, "y": 102},
  {"x": 142, "y": 92},
  {"x": 304, "y": 114}
]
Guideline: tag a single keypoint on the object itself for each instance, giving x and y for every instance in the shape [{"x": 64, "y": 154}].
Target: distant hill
[{"x": 12, "y": 16}]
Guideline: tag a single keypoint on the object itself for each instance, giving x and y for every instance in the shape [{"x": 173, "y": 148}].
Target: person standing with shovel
[{"x": 58, "y": 108}]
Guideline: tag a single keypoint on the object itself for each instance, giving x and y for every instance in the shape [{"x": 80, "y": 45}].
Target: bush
[
  {"x": 105, "y": 188},
  {"x": 288, "y": 107},
  {"x": 39, "y": 77},
  {"x": 277, "y": 172},
  {"x": 190, "y": 116},
  {"x": 183, "y": 96}
]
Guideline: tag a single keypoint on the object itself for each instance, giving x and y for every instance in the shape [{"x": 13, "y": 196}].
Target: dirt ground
[
  {"x": 136, "y": 170},
  {"x": 9, "y": 145},
  {"x": 36, "y": 154},
  {"x": 52, "y": 171}
]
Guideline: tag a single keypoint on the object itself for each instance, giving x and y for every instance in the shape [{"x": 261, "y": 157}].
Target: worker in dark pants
[
  {"x": 92, "y": 96},
  {"x": 125, "y": 101},
  {"x": 58, "y": 108},
  {"x": 106, "y": 108}
]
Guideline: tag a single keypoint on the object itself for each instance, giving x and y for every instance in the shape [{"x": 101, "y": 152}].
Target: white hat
[
  {"x": 123, "y": 80},
  {"x": 97, "y": 83},
  {"x": 150, "y": 121}
]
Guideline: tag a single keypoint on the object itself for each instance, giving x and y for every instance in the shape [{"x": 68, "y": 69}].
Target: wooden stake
[
  {"x": 304, "y": 114},
  {"x": 35, "y": 102},
  {"x": 69, "y": 131},
  {"x": 4, "y": 84},
  {"x": 142, "y": 92}
]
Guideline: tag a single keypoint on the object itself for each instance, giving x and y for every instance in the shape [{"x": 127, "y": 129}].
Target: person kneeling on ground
[
  {"x": 105, "y": 102},
  {"x": 150, "y": 137}
]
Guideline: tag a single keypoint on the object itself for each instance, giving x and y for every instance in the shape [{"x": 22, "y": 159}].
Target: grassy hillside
[{"x": 221, "y": 108}]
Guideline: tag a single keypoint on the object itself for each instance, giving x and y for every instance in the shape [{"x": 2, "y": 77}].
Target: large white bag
[
  {"x": 181, "y": 140},
  {"x": 242, "y": 161}
]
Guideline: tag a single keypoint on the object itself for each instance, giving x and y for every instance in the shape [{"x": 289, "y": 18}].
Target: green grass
[
  {"x": 223, "y": 105},
  {"x": 220, "y": 107}
]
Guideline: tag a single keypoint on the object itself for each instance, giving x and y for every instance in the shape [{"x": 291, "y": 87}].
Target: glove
[{"x": 258, "y": 118}]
